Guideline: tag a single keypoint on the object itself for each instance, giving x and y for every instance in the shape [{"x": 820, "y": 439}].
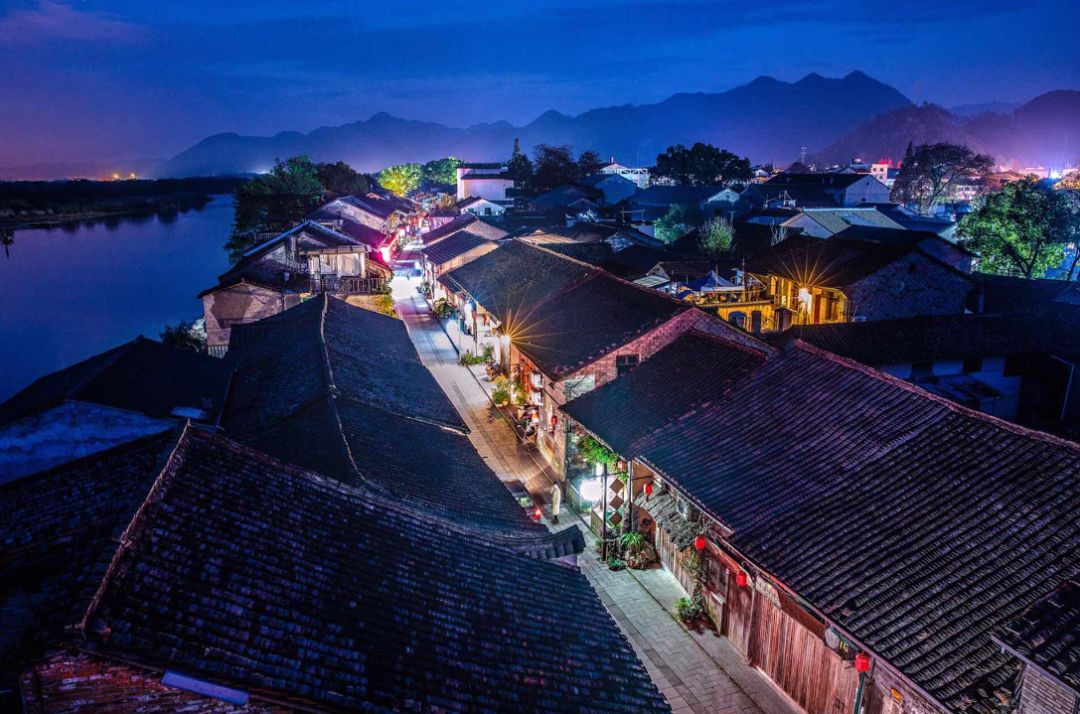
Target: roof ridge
[
  {"x": 947, "y": 403},
  {"x": 331, "y": 387},
  {"x": 130, "y": 531}
]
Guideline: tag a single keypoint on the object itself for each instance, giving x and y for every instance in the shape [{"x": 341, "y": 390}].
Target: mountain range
[{"x": 767, "y": 119}]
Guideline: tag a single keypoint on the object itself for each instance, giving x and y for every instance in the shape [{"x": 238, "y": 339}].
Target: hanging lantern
[
  {"x": 699, "y": 543},
  {"x": 862, "y": 663},
  {"x": 537, "y": 513},
  {"x": 621, "y": 465},
  {"x": 648, "y": 489},
  {"x": 554, "y": 421},
  {"x": 741, "y": 579}
]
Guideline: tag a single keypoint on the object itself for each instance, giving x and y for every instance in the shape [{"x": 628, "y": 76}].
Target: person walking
[{"x": 556, "y": 502}]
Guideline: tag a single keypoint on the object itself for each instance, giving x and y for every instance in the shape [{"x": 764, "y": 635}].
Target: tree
[
  {"x": 930, "y": 171},
  {"x": 274, "y": 202},
  {"x": 519, "y": 167},
  {"x": 1022, "y": 229},
  {"x": 400, "y": 179},
  {"x": 716, "y": 237},
  {"x": 185, "y": 336},
  {"x": 340, "y": 179},
  {"x": 553, "y": 166},
  {"x": 677, "y": 222},
  {"x": 589, "y": 163},
  {"x": 702, "y": 165},
  {"x": 441, "y": 172}
]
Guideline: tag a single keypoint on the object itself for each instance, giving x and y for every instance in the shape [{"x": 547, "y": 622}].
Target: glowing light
[
  {"x": 385, "y": 253},
  {"x": 806, "y": 300},
  {"x": 505, "y": 339},
  {"x": 599, "y": 469},
  {"x": 592, "y": 489}
]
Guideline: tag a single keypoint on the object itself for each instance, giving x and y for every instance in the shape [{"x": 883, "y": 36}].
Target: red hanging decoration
[
  {"x": 648, "y": 489},
  {"x": 554, "y": 420},
  {"x": 537, "y": 513},
  {"x": 740, "y": 579},
  {"x": 862, "y": 663},
  {"x": 699, "y": 543},
  {"x": 621, "y": 465}
]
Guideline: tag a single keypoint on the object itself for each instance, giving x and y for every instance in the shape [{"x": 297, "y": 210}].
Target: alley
[{"x": 696, "y": 672}]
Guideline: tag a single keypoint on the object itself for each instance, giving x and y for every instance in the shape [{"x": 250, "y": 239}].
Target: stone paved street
[{"x": 695, "y": 672}]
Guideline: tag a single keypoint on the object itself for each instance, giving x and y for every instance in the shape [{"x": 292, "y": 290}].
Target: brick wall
[
  {"x": 76, "y": 682},
  {"x": 914, "y": 285},
  {"x": 1040, "y": 694}
]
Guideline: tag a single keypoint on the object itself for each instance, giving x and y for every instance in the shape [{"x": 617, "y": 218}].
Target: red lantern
[
  {"x": 537, "y": 513},
  {"x": 621, "y": 465},
  {"x": 699, "y": 543},
  {"x": 648, "y": 489},
  {"x": 554, "y": 421},
  {"x": 740, "y": 579},
  {"x": 862, "y": 663}
]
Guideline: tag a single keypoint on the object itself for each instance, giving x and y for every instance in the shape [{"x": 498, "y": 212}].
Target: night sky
[{"x": 106, "y": 79}]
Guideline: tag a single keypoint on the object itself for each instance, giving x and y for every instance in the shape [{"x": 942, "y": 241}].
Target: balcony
[{"x": 346, "y": 285}]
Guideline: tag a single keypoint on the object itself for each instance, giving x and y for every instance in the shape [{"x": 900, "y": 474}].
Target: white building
[
  {"x": 489, "y": 181},
  {"x": 639, "y": 175}
]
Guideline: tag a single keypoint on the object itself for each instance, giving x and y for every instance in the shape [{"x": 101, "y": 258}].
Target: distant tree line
[
  {"x": 44, "y": 200},
  {"x": 702, "y": 165}
]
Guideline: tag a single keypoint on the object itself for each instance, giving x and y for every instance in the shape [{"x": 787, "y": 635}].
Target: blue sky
[{"x": 102, "y": 79}]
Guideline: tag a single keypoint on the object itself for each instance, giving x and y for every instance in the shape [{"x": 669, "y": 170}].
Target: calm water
[{"x": 69, "y": 292}]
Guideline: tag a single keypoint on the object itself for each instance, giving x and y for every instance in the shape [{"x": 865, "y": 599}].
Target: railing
[{"x": 343, "y": 285}]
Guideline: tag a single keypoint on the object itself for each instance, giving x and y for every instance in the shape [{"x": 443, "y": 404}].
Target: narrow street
[{"x": 696, "y": 672}]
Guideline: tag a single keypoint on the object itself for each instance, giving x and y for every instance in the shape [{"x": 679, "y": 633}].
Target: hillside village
[{"x": 623, "y": 440}]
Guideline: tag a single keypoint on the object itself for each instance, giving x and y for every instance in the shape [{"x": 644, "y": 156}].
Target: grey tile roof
[
  {"x": 914, "y": 524},
  {"x": 245, "y": 571},
  {"x": 691, "y": 372},
  {"x": 340, "y": 390},
  {"x": 142, "y": 375},
  {"x": 453, "y": 246},
  {"x": 1047, "y": 634},
  {"x": 1052, "y": 329}
]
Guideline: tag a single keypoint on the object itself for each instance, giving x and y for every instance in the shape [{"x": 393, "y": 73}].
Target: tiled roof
[
  {"x": 454, "y": 245},
  {"x": 513, "y": 278},
  {"x": 142, "y": 376},
  {"x": 1008, "y": 294},
  {"x": 831, "y": 263},
  {"x": 665, "y": 196},
  {"x": 805, "y": 196},
  {"x": 831, "y": 181},
  {"x": 380, "y": 204},
  {"x": 691, "y": 372},
  {"x": 914, "y": 524},
  {"x": 57, "y": 536},
  {"x": 580, "y": 324},
  {"x": 340, "y": 390},
  {"x": 1047, "y": 634},
  {"x": 242, "y": 570},
  {"x": 630, "y": 262},
  {"x": 460, "y": 223},
  {"x": 1052, "y": 329},
  {"x": 835, "y": 220}
]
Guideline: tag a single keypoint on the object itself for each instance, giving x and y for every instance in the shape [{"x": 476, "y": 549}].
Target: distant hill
[
  {"x": 1044, "y": 131},
  {"x": 970, "y": 110},
  {"x": 767, "y": 120}
]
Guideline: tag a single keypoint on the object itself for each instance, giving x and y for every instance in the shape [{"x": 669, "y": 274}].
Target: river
[{"x": 68, "y": 292}]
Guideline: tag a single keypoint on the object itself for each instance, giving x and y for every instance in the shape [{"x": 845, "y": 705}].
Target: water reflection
[{"x": 71, "y": 291}]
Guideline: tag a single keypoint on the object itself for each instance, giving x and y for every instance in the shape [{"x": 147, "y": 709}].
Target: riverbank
[{"x": 30, "y": 204}]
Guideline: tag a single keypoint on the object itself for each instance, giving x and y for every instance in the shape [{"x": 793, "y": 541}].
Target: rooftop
[
  {"x": 912, "y": 523},
  {"x": 341, "y": 600},
  {"x": 142, "y": 376},
  {"x": 340, "y": 390},
  {"x": 454, "y": 245},
  {"x": 1047, "y": 634}
]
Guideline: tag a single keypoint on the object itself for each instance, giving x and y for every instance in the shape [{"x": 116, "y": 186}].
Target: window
[
  {"x": 972, "y": 364},
  {"x": 625, "y": 363},
  {"x": 715, "y": 573}
]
